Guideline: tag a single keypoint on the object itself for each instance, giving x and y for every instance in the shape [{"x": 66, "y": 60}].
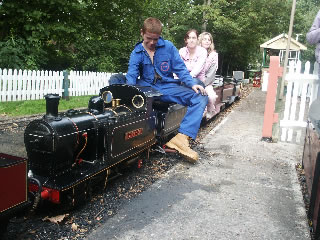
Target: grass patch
[{"x": 30, "y": 107}]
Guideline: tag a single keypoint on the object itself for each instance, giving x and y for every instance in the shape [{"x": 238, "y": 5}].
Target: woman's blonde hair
[{"x": 201, "y": 37}]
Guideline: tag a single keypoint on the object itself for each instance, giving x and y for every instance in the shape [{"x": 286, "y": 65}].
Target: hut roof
[{"x": 280, "y": 43}]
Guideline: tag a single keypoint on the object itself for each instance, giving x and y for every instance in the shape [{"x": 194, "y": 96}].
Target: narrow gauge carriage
[
  {"x": 228, "y": 90},
  {"x": 13, "y": 188},
  {"x": 70, "y": 152},
  {"x": 311, "y": 165}
]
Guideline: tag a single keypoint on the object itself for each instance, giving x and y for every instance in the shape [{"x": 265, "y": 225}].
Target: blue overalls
[{"x": 166, "y": 62}]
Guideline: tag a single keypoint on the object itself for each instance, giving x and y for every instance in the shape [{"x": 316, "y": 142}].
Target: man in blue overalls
[{"x": 155, "y": 60}]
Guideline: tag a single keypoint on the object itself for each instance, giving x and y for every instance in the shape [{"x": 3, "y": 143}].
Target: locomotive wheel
[{"x": 83, "y": 192}]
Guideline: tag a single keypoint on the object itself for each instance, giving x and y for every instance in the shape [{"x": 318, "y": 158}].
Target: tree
[
  {"x": 206, "y": 3},
  {"x": 99, "y": 35},
  {"x": 37, "y": 28},
  {"x": 239, "y": 27}
]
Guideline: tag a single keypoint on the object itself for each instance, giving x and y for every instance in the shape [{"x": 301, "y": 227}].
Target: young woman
[
  {"x": 194, "y": 56},
  {"x": 210, "y": 68}
]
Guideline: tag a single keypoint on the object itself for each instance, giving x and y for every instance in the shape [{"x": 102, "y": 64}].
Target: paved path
[{"x": 242, "y": 188}]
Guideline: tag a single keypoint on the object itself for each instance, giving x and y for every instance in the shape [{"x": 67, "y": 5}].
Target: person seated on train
[
  {"x": 194, "y": 56},
  {"x": 206, "y": 41},
  {"x": 154, "y": 60}
]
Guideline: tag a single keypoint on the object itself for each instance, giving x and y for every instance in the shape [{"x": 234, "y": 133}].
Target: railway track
[{"x": 9, "y": 123}]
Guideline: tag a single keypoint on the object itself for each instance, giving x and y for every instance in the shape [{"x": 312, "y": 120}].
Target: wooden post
[
  {"x": 65, "y": 94},
  {"x": 285, "y": 64},
  {"x": 270, "y": 117}
]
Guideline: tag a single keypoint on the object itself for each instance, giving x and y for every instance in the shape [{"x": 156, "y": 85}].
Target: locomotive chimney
[{"x": 52, "y": 102}]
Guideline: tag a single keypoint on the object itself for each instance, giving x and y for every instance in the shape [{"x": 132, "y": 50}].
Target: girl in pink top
[
  {"x": 193, "y": 55},
  {"x": 210, "y": 68}
]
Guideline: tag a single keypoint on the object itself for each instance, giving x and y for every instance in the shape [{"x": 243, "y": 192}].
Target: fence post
[
  {"x": 65, "y": 85},
  {"x": 270, "y": 117}
]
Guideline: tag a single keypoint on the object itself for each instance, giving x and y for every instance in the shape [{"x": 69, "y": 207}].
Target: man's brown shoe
[{"x": 181, "y": 143}]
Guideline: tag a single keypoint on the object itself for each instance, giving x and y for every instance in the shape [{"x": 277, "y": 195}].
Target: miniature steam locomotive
[{"x": 70, "y": 152}]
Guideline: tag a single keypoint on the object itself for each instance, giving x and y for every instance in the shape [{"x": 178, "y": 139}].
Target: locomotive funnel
[{"x": 52, "y": 102}]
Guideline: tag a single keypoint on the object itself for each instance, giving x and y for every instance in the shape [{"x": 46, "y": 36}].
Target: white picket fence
[
  {"x": 17, "y": 85},
  {"x": 302, "y": 89},
  {"x": 87, "y": 83}
]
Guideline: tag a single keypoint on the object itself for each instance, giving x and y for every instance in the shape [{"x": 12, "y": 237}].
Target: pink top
[
  {"x": 212, "y": 59},
  {"x": 197, "y": 64}
]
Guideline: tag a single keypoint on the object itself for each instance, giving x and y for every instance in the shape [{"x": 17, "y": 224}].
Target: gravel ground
[{"x": 52, "y": 222}]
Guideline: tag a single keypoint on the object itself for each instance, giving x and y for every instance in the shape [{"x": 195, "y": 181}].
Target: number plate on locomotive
[{"x": 133, "y": 133}]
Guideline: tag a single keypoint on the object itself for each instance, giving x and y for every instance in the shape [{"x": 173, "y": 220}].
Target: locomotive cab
[{"x": 135, "y": 129}]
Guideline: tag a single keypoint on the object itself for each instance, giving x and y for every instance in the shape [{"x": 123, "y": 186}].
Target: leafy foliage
[{"x": 98, "y": 35}]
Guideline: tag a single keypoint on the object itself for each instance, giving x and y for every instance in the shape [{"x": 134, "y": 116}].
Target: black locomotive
[{"x": 69, "y": 151}]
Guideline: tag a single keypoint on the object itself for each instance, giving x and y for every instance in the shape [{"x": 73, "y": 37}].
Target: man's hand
[{"x": 198, "y": 88}]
